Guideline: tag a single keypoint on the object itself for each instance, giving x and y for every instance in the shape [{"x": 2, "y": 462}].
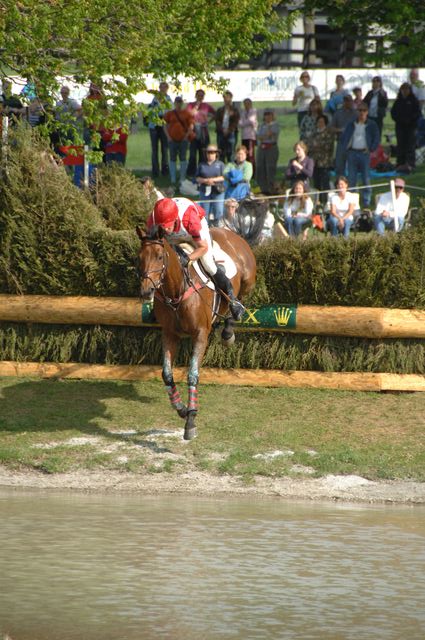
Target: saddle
[{"x": 220, "y": 257}]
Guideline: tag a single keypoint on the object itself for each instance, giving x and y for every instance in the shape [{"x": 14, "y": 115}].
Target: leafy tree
[
  {"x": 401, "y": 24},
  {"x": 117, "y": 42}
]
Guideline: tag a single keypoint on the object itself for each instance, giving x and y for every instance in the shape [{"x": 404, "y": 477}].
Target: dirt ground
[{"x": 337, "y": 488}]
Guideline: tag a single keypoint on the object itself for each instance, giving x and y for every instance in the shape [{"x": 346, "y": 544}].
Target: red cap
[{"x": 165, "y": 211}]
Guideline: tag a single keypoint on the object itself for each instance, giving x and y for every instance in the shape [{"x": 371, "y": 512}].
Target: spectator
[
  {"x": 337, "y": 95},
  {"x": 68, "y": 114},
  {"x": 267, "y": 152},
  {"x": 161, "y": 103},
  {"x": 340, "y": 120},
  {"x": 114, "y": 142},
  {"x": 418, "y": 87},
  {"x": 179, "y": 129},
  {"x": 308, "y": 125},
  {"x": 298, "y": 209},
  {"x": 321, "y": 149},
  {"x": 241, "y": 163},
  {"x": 210, "y": 177},
  {"x": 358, "y": 96},
  {"x": 358, "y": 140},
  {"x": 227, "y": 120},
  {"x": 406, "y": 112},
  {"x": 12, "y": 105},
  {"x": 377, "y": 101},
  {"x": 236, "y": 186},
  {"x": 389, "y": 213},
  {"x": 342, "y": 205},
  {"x": 301, "y": 167},
  {"x": 249, "y": 124},
  {"x": 230, "y": 216},
  {"x": 303, "y": 95},
  {"x": 202, "y": 113}
]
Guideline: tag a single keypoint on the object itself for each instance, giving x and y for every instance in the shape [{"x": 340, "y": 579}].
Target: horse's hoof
[
  {"x": 226, "y": 339},
  {"x": 182, "y": 412},
  {"x": 190, "y": 433}
]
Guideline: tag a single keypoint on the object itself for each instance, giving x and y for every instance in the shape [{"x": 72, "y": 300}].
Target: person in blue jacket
[{"x": 358, "y": 140}]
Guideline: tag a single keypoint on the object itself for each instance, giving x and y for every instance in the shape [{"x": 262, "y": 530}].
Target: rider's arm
[{"x": 201, "y": 247}]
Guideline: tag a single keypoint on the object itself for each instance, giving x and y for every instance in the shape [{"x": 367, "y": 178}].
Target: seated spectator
[
  {"x": 248, "y": 125},
  {"x": 321, "y": 147},
  {"x": 114, "y": 143},
  {"x": 210, "y": 177},
  {"x": 377, "y": 101},
  {"x": 236, "y": 186},
  {"x": 391, "y": 214},
  {"x": 342, "y": 205},
  {"x": 358, "y": 96},
  {"x": 301, "y": 167},
  {"x": 298, "y": 209},
  {"x": 240, "y": 162},
  {"x": 267, "y": 152},
  {"x": 337, "y": 95},
  {"x": 308, "y": 125}
]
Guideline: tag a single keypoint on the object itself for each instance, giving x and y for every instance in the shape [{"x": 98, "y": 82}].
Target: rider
[{"x": 185, "y": 221}]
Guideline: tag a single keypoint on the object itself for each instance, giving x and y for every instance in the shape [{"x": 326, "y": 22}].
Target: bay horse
[{"x": 184, "y": 306}]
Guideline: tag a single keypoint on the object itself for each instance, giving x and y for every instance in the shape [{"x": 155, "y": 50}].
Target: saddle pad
[{"x": 220, "y": 256}]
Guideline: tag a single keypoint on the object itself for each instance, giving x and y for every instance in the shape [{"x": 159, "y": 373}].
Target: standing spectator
[
  {"x": 68, "y": 114},
  {"x": 308, "y": 125},
  {"x": 298, "y": 209},
  {"x": 359, "y": 139},
  {"x": 377, "y": 101},
  {"x": 321, "y": 149},
  {"x": 267, "y": 152},
  {"x": 358, "y": 97},
  {"x": 202, "y": 113},
  {"x": 249, "y": 124},
  {"x": 337, "y": 95},
  {"x": 301, "y": 167},
  {"x": 406, "y": 112},
  {"x": 179, "y": 130},
  {"x": 210, "y": 177},
  {"x": 340, "y": 120},
  {"x": 303, "y": 95},
  {"x": 387, "y": 209},
  {"x": 342, "y": 205},
  {"x": 227, "y": 120},
  {"x": 418, "y": 87},
  {"x": 161, "y": 103},
  {"x": 12, "y": 105}
]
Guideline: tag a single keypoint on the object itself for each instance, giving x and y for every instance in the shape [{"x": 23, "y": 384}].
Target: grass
[{"x": 59, "y": 426}]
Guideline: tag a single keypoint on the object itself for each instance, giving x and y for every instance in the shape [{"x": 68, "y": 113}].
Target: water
[{"x": 89, "y": 567}]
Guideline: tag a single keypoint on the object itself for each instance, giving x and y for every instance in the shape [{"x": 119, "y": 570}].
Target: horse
[{"x": 184, "y": 306}]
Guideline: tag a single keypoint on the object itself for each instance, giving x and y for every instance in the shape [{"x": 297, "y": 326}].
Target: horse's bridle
[{"x": 146, "y": 275}]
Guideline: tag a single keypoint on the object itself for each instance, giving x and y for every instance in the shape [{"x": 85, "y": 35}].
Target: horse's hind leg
[{"x": 169, "y": 344}]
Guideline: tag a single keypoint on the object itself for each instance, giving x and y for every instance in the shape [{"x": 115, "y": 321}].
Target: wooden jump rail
[
  {"x": 362, "y": 322},
  {"x": 309, "y": 319}
]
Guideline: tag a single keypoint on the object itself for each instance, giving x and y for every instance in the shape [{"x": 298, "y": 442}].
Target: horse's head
[{"x": 151, "y": 262}]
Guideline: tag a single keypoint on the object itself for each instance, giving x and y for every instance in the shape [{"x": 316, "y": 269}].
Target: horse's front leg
[
  {"x": 169, "y": 347},
  {"x": 199, "y": 347}
]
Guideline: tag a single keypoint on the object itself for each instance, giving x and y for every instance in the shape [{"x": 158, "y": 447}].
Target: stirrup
[{"x": 237, "y": 309}]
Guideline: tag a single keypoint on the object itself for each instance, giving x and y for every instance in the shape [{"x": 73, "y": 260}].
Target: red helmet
[{"x": 165, "y": 211}]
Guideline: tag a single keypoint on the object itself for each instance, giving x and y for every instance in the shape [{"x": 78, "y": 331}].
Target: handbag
[
  {"x": 317, "y": 221},
  {"x": 219, "y": 187}
]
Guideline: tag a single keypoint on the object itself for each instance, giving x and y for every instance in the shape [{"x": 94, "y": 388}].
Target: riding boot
[{"x": 223, "y": 283}]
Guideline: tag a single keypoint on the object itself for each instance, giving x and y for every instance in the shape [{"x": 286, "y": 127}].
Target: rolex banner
[{"x": 275, "y": 316}]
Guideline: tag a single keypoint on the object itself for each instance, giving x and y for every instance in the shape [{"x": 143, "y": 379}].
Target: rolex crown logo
[{"x": 282, "y": 316}]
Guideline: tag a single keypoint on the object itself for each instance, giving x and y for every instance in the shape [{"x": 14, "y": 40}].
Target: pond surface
[{"x": 117, "y": 567}]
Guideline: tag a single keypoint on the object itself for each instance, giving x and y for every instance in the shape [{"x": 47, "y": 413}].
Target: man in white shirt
[
  {"x": 389, "y": 212},
  {"x": 418, "y": 87}
]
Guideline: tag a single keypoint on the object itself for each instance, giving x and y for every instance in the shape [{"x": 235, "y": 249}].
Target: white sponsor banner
[{"x": 263, "y": 86}]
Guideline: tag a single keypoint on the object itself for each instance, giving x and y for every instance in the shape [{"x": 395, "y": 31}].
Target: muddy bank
[{"x": 344, "y": 488}]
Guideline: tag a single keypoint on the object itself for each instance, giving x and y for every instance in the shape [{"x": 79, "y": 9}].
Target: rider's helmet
[{"x": 165, "y": 212}]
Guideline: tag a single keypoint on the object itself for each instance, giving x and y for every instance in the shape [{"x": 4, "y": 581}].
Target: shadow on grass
[{"x": 52, "y": 406}]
